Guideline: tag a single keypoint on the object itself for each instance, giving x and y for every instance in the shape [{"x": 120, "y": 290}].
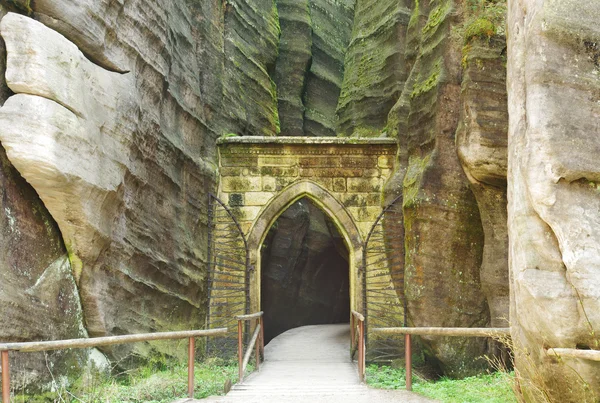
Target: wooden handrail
[
  {"x": 445, "y": 331},
  {"x": 258, "y": 335},
  {"x": 250, "y": 346},
  {"x": 592, "y": 355},
  {"x": 360, "y": 340},
  {"x": 358, "y": 316},
  {"x": 436, "y": 331},
  {"x": 33, "y": 346},
  {"x": 249, "y": 316}
]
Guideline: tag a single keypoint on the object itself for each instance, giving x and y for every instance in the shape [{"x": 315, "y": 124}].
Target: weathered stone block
[
  {"x": 339, "y": 184},
  {"x": 236, "y": 199},
  {"x": 269, "y": 184},
  {"x": 360, "y": 199},
  {"x": 246, "y": 213},
  {"x": 232, "y": 160},
  {"x": 241, "y": 184},
  {"x": 364, "y": 185},
  {"x": 327, "y": 183},
  {"x": 366, "y": 213},
  {"x": 359, "y": 161},
  {"x": 258, "y": 198},
  {"x": 278, "y": 171},
  {"x": 277, "y": 161},
  {"x": 386, "y": 161},
  {"x": 317, "y": 161},
  {"x": 332, "y": 172}
]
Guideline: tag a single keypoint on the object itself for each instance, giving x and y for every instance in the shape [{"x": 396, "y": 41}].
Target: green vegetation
[
  {"x": 483, "y": 19},
  {"x": 154, "y": 383},
  {"x": 488, "y": 388}
]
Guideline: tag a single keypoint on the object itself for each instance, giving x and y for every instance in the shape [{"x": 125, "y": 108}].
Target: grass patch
[
  {"x": 148, "y": 384},
  {"x": 487, "y": 388}
]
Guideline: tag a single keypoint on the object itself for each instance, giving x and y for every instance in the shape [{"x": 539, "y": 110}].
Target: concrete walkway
[{"x": 309, "y": 364}]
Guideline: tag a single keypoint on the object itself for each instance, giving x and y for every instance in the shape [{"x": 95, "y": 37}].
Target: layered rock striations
[
  {"x": 122, "y": 191},
  {"x": 251, "y": 46},
  {"x": 293, "y": 63},
  {"x": 554, "y": 202},
  {"x": 375, "y": 67},
  {"x": 310, "y": 67},
  {"x": 481, "y": 141},
  {"x": 443, "y": 230},
  {"x": 331, "y": 31}
]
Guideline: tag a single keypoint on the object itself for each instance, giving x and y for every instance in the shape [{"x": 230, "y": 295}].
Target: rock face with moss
[
  {"x": 310, "y": 67},
  {"x": 121, "y": 160},
  {"x": 38, "y": 295},
  {"x": 293, "y": 62},
  {"x": 443, "y": 231},
  {"x": 251, "y": 43},
  {"x": 554, "y": 200},
  {"x": 375, "y": 68},
  {"x": 481, "y": 141}
]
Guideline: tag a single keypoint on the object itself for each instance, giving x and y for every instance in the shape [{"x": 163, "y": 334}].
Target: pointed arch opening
[{"x": 344, "y": 241}]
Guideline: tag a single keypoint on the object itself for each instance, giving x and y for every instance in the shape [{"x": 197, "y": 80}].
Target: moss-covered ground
[{"x": 486, "y": 388}]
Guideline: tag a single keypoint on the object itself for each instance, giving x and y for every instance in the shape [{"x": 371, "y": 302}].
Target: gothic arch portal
[{"x": 331, "y": 206}]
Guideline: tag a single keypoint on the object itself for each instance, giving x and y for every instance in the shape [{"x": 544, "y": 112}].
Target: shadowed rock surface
[
  {"x": 304, "y": 271},
  {"x": 553, "y": 194},
  {"x": 443, "y": 232},
  {"x": 481, "y": 141}
]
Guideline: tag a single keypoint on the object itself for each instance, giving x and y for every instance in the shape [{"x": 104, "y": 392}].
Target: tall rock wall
[
  {"x": 112, "y": 130},
  {"x": 554, "y": 200},
  {"x": 444, "y": 236}
]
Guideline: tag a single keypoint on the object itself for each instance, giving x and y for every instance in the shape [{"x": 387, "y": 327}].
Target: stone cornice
[
  {"x": 283, "y": 140},
  {"x": 251, "y": 145}
]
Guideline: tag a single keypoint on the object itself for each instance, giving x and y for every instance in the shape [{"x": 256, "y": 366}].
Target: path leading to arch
[{"x": 310, "y": 364}]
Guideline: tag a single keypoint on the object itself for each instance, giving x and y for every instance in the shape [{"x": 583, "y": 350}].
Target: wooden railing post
[
  {"x": 408, "y": 361},
  {"x": 257, "y": 348},
  {"x": 352, "y": 336},
  {"x": 191, "y": 362},
  {"x": 240, "y": 352},
  {"x": 5, "y": 378},
  {"x": 262, "y": 336},
  {"x": 361, "y": 350}
]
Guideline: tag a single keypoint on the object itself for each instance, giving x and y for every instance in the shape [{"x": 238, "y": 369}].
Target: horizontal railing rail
[
  {"x": 257, "y": 342},
  {"x": 34, "y": 346},
  {"x": 358, "y": 319},
  {"x": 436, "y": 331},
  {"x": 592, "y": 355}
]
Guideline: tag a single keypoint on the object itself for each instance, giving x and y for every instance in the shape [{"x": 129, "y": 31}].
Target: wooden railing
[
  {"x": 592, "y": 355},
  {"x": 358, "y": 320},
  {"x": 257, "y": 341},
  {"x": 34, "y": 346},
  {"x": 436, "y": 331}
]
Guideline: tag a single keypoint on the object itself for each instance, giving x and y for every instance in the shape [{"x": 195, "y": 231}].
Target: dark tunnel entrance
[{"x": 304, "y": 271}]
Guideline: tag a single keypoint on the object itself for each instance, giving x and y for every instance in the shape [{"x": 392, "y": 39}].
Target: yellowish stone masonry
[{"x": 261, "y": 176}]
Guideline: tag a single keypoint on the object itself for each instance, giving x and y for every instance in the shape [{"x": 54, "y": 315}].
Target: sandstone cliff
[{"x": 554, "y": 204}]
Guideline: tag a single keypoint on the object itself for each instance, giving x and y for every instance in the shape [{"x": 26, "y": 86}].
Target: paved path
[{"x": 310, "y": 364}]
